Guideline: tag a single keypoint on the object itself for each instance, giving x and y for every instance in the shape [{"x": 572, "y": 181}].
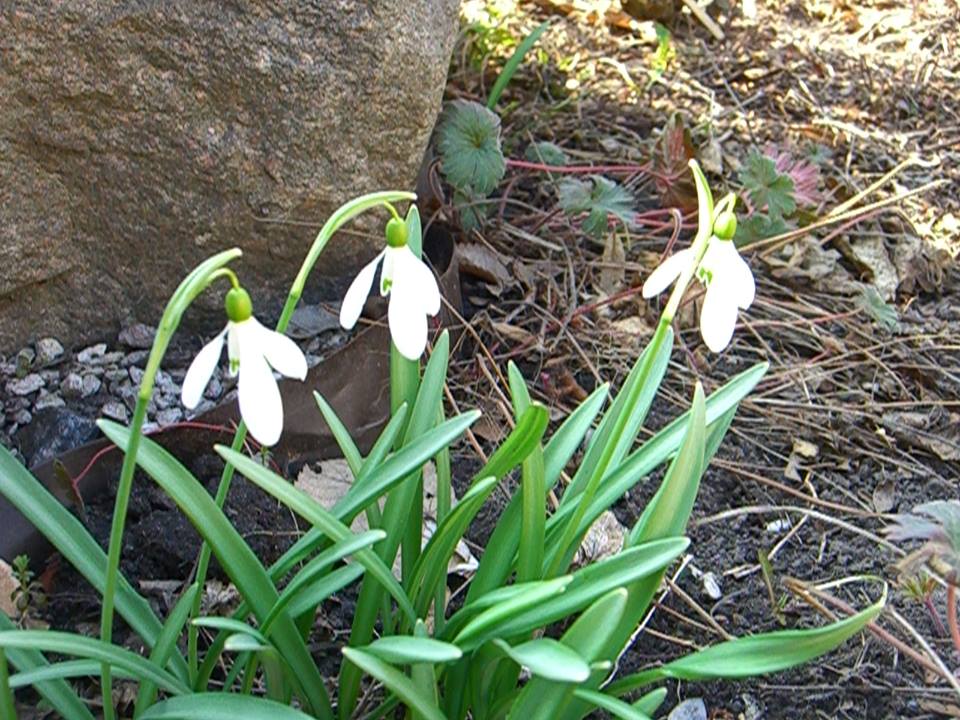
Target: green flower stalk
[
  {"x": 195, "y": 283},
  {"x": 341, "y": 216}
]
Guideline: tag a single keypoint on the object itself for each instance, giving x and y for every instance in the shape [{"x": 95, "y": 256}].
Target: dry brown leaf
[
  {"x": 482, "y": 262},
  {"x": 871, "y": 253},
  {"x": 8, "y": 586},
  {"x": 514, "y": 333},
  {"x": 805, "y": 448},
  {"x": 334, "y": 478},
  {"x": 885, "y": 496},
  {"x": 612, "y": 273}
]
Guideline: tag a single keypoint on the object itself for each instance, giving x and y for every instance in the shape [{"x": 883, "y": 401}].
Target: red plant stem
[
  {"x": 952, "y": 615},
  {"x": 646, "y": 169},
  {"x": 932, "y": 609}
]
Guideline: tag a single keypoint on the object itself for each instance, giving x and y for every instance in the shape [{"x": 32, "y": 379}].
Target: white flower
[
  {"x": 413, "y": 295},
  {"x": 252, "y": 350},
  {"x": 729, "y": 284}
]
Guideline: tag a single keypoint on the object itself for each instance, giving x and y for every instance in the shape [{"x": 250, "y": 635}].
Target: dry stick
[
  {"x": 952, "y": 615},
  {"x": 766, "y": 509},
  {"x": 773, "y": 243},
  {"x": 931, "y": 661},
  {"x": 698, "y": 609},
  {"x": 732, "y": 467},
  {"x": 708, "y": 22}
]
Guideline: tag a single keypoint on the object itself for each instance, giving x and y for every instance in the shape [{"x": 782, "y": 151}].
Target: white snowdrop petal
[
  {"x": 388, "y": 270},
  {"x": 718, "y": 316},
  {"x": 233, "y": 348},
  {"x": 282, "y": 353},
  {"x": 200, "y": 371},
  {"x": 741, "y": 279},
  {"x": 666, "y": 273},
  {"x": 418, "y": 275},
  {"x": 408, "y": 323},
  {"x": 260, "y": 404},
  {"x": 356, "y": 296}
]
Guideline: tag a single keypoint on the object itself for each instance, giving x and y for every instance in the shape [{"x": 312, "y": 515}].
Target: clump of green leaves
[
  {"x": 599, "y": 198},
  {"x": 472, "y": 156},
  {"x": 776, "y": 187},
  {"x": 28, "y": 597},
  {"x": 665, "y": 53},
  {"x": 470, "y": 145},
  {"x": 545, "y": 152}
]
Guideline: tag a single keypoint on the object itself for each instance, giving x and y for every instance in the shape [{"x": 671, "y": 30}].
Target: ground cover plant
[{"x": 534, "y": 631}]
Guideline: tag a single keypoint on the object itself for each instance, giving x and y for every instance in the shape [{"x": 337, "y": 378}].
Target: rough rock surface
[{"x": 138, "y": 138}]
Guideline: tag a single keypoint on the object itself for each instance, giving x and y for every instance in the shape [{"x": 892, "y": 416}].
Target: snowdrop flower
[
  {"x": 725, "y": 274},
  {"x": 412, "y": 289},
  {"x": 252, "y": 350}
]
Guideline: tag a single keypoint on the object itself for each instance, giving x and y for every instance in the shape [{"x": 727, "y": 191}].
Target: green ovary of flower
[
  {"x": 238, "y": 305},
  {"x": 725, "y": 226},
  {"x": 396, "y": 232}
]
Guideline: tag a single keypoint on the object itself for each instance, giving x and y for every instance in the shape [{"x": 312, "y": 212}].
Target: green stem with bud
[
  {"x": 340, "y": 216},
  {"x": 195, "y": 283}
]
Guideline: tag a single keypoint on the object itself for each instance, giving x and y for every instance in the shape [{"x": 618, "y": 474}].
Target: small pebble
[
  {"x": 22, "y": 417},
  {"x": 48, "y": 400},
  {"x": 25, "y": 385},
  {"x": 91, "y": 385},
  {"x": 137, "y": 357},
  {"x": 137, "y": 336},
  {"x": 24, "y": 361},
  {"x": 136, "y": 374},
  {"x": 72, "y": 386},
  {"x": 116, "y": 375},
  {"x": 50, "y": 377},
  {"x": 169, "y": 416},
  {"x": 115, "y": 411},
  {"x": 48, "y": 350},
  {"x": 778, "y": 526},
  {"x": 166, "y": 384},
  {"x": 87, "y": 355},
  {"x": 214, "y": 388},
  {"x": 112, "y": 358},
  {"x": 711, "y": 586}
]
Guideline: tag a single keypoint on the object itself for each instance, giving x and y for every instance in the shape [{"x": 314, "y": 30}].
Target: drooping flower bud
[
  {"x": 396, "y": 233},
  {"x": 725, "y": 226},
  {"x": 238, "y": 305}
]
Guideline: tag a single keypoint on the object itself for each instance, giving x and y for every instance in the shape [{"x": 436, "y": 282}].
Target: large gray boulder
[{"x": 137, "y": 138}]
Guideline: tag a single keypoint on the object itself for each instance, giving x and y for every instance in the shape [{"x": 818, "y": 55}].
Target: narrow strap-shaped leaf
[
  {"x": 304, "y": 505},
  {"x": 60, "y": 670},
  {"x": 589, "y": 583},
  {"x": 308, "y": 598},
  {"x": 756, "y": 654},
  {"x": 92, "y": 649},
  {"x": 388, "y": 474},
  {"x": 650, "y": 702},
  {"x": 314, "y": 569},
  {"x": 396, "y": 682},
  {"x": 548, "y": 659},
  {"x": 616, "y": 707},
  {"x": 406, "y": 650},
  {"x": 235, "y": 556},
  {"x": 659, "y": 448},
  {"x": 74, "y": 542},
  {"x": 588, "y": 636},
  {"x": 221, "y": 706},
  {"x": 533, "y": 491},
  {"x": 431, "y": 569},
  {"x": 166, "y": 645},
  {"x": 513, "y": 63},
  {"x": 55, "y": 691},
  {"x": 340, "y": 433}
]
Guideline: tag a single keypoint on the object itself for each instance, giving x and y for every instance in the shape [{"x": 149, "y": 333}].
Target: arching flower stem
[{"x": 342, "y": 215}]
